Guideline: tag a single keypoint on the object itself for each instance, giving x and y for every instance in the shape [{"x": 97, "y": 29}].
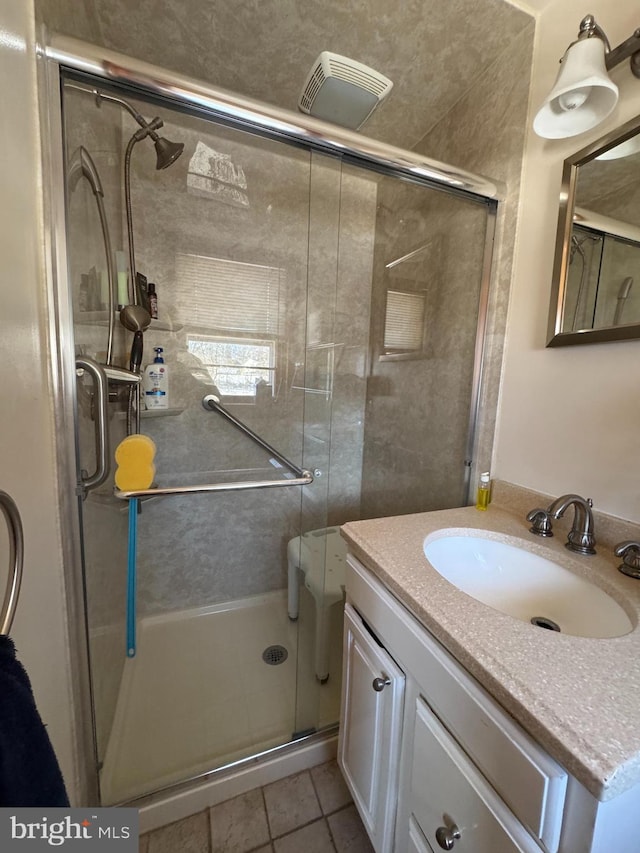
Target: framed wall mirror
[{"x": 596, "y": 274}]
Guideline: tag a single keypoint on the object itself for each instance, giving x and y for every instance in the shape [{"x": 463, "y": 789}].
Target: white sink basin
[{"x": 524, "y": 585}]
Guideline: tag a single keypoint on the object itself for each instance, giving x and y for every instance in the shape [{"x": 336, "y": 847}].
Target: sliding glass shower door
[{"x": 334, "y": 311}]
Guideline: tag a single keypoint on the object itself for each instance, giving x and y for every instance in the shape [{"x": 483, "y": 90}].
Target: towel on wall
[
  {"x": 214, "y": 175},
  {"x": 29, "y": 771}
]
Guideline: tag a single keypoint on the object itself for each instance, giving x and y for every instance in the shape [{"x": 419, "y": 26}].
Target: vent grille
[
  {"x": 357, "y": 76},
  {"x": 332, "y": 65},
  {"x": 315, "y": 81}
]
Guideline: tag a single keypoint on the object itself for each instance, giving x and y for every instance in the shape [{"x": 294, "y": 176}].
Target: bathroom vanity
[{"x": 466, "y": 729}]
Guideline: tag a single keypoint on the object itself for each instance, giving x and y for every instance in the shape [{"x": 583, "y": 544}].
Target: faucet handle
[
  {"x": 541, "y": 522},
  {"x": 630, "y": 553}
]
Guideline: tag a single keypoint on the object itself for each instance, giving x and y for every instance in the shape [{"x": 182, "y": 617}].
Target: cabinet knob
[
  {"x": 379, "y": 684},
  {"x": 446, "y": 836}
]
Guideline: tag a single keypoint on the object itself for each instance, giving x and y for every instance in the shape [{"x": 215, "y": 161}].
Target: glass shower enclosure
[{"x": 334, "y": 309}]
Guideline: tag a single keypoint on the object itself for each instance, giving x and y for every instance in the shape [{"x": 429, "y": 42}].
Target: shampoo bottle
[
  {"x": 155, "y": 383},
  {"x": 484, "y": 491},
  {"x": 153, "y": 301}
]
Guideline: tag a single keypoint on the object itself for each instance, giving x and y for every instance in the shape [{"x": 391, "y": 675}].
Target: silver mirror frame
[{"x": 555, "y": 336}]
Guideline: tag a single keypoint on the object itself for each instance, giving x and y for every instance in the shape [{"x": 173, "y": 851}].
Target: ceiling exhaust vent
[{"x": 343, "y": 91}]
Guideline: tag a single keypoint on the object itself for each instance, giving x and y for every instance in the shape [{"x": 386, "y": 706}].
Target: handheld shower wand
[
  {"x": 134, "y": 317},
  {"x": 623, "y": 295}
]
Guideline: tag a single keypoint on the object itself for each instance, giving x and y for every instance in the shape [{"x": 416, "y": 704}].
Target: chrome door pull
[{"x": 102, "y": 435}]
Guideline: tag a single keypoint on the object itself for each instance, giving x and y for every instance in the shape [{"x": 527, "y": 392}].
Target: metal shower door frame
[{"x": 59, "y": 53}]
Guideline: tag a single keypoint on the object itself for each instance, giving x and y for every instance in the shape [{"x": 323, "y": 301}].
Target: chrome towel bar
[
  {"x": 301, "y": 477},
  {"x": 16, "y": 558}
]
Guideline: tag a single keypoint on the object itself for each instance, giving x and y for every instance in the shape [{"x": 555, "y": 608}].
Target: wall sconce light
[{"x": 583, "y": 94}]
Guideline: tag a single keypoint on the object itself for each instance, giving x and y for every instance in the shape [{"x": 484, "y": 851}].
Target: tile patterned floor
[{"x": 311, "y": 811}]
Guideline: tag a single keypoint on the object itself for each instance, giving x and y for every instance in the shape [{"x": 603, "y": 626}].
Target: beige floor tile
[
  {"x": 240, "y": 824},
  {"x": 330, "y": 787},
  {"x": 291, "y": 803},
  {"x": 314, "y": 838},
  {"x": 143, "y": 847},
  {"x": 349, "y": 835},
  {"x": 190, "y": 835}
]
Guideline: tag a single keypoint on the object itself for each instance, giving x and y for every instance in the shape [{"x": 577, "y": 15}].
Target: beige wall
[
  {"x": 27, "y": 465},
  {"x": 568, "y": 418}
]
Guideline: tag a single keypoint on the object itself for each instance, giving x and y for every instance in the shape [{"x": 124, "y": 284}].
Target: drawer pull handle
[
  {"x": 379, "y": 684},
  {"x": 446, "y": 836}
]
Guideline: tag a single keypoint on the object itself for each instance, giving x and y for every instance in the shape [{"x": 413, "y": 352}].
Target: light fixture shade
[{"x": 582, "y": 96}]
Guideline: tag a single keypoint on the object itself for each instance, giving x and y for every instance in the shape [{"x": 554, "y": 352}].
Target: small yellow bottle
[{"x": 483, "y": 498}]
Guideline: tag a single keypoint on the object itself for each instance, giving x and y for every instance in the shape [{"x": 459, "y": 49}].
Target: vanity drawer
[
  {"x": 531, "y": 783},
  {"x": 448, "y": 791},
  {"x": 528, "y": 780}
]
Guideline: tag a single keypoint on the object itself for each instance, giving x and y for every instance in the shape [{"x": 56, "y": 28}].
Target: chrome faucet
[{"x": 581, "y": 536}]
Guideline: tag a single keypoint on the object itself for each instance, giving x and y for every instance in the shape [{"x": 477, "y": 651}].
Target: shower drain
[
  {"x": 273, "y": 655},
  {"x": 543, "y": 622}
]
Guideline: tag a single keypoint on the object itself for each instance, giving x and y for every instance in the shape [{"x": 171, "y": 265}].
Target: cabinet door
[{"x": 370, "y": 729}]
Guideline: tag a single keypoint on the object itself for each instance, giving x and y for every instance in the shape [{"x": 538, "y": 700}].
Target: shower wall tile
[
  {"x": 62, "y": 16},
  {"x": 418, "y": 409},
  {"x": 485, "y": 132},
  {"x": 433, "y": 52}
]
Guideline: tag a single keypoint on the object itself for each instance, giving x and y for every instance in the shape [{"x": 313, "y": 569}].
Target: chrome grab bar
[
  {"x": 101, "y": 420},
  {"x": 16, "y": 558},
  {"x": 210, "y": 402}
]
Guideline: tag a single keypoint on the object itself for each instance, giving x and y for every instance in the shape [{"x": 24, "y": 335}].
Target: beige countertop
[{"x": 577, "y": 697}]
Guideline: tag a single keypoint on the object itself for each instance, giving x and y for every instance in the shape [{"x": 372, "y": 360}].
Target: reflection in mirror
[{"x": 596, "y": 286}]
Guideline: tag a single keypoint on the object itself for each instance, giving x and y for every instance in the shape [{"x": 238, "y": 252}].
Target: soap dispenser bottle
[{"x": 155, "y": 383}]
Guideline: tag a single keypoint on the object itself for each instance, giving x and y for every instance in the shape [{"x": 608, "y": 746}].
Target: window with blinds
[
  {"x": 236, "y": 366},
  {"x": 404, "y": 323},
  {"x": 235, "y": 309},
  {"x": 216, "y": 293}
]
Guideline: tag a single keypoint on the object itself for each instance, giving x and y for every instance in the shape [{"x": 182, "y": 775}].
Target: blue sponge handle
[{"x": 131, "y": 578}]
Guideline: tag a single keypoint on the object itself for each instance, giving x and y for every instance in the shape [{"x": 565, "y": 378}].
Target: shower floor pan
[{"x": 198, "y": 695}]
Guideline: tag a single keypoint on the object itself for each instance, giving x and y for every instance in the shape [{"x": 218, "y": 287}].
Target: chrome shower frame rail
[
  {"x": 16, "y": 558},
  {"x": 269, "y": 120}
]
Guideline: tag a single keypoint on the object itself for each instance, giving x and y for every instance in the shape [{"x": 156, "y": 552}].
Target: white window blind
[
  {"x": 404, "y": 321},
  {"x": 216, "y": 293}
]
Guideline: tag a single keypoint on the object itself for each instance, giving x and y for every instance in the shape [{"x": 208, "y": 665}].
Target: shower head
[{"x": 166, "y": 152}]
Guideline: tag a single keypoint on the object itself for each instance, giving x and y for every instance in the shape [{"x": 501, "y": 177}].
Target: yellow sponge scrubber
[{"x": 134, "y": 458}]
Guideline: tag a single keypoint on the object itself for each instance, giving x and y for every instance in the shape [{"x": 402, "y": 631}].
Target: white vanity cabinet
[{"x": 459, "y": 773}]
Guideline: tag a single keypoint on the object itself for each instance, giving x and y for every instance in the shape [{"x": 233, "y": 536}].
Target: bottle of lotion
[{"x": 155, "y": 383}]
